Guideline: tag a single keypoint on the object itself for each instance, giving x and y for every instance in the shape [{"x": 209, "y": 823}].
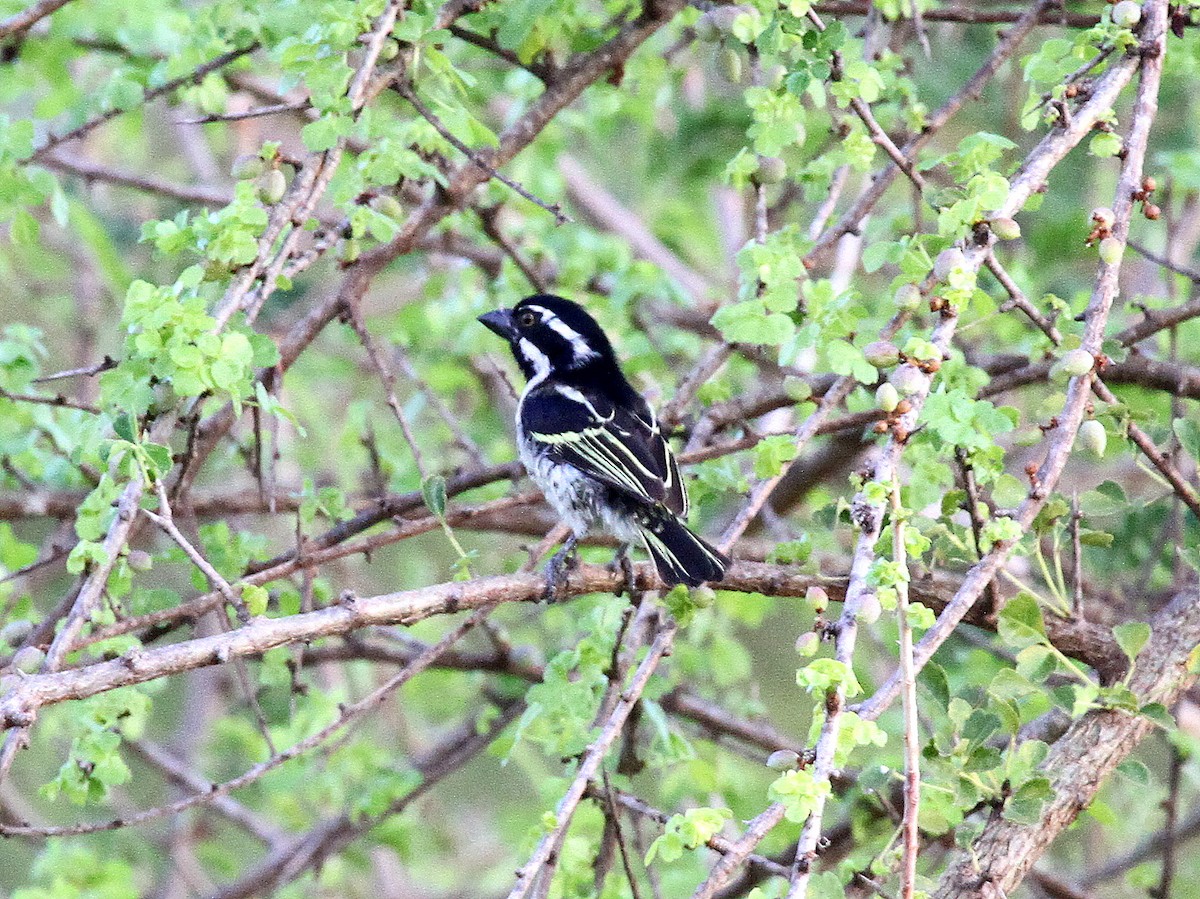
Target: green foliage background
[{"x": 137, "y": 272}]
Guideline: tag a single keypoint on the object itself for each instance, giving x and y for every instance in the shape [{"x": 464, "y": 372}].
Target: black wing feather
[{"x": 623, "y": 448}]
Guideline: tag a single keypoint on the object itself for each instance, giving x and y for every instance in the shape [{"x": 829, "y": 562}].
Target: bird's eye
[{"x": 526, "y": 319}]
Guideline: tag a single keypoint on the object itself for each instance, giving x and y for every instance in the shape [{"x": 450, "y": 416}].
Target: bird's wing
[{"x": 615, "y": 445}]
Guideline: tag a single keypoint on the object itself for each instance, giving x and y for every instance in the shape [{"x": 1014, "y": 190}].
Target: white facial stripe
[
  {"x": 579, "y": 347},
  {"x": 537, "y": 359}
]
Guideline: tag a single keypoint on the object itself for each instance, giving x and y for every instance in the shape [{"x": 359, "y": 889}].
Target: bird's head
[{"x": 551, "y": 336}]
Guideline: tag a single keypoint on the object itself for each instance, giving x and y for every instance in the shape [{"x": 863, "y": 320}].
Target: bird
[{"x": 593, "y": 445}]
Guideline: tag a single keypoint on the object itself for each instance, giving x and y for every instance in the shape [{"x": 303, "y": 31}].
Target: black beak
[{"x": 500, "y": 322}]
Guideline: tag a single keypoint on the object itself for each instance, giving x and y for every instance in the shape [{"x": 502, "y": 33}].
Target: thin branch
[
  {"x": 1018, "y": 300},
  {"x": 347, "y": 715},
  {"x": 27, "y": 18},
  {"x": 910, "y": 827},
  {"x": 591, "y": 761},
  {"x": 259, "y": 112},
  {"x": 405, "y": 90},
  {"x": 1185, "y": 491},
  {"x": 194, "y": 77}
]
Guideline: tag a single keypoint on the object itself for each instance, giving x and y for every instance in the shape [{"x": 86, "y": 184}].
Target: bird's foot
[
  {"x": 558, "y": 570},
  {"x": 624, "y": 564}
]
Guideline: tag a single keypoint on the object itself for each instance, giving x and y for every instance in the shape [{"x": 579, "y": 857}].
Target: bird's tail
[{"x": 679, "y": 555}]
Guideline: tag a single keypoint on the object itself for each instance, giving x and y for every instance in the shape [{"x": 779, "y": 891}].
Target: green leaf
[
  {"x": 1132, "y": 636},
  {"x": 433, "y": 491},
  {"x": 1188, "y": 433},
  {"x": 1020, "y": 622},
  {"x": 255, "y": 598}
]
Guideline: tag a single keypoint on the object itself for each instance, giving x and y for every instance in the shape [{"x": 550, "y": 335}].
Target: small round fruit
[
  {"x": 783, "y": 760},
  {"x": 248, "y": 165},
  {"x": 15, "y": 632},
  {"x": 1074, "y": 363},
  {"x": 1006, "y": 228},
  {"x": 869, "y": 609},
  {"x": 1127, "y": 13},
  {"x": 28, "y": 659},
  {"x": 887, "y": 397},
  {"x": 1103, "y": 217},
  {"x": 771, "y": 170},
  {"x": 808, "y": 643},
  {"x": 1111, "y": 250},
  {"x": 1093, "y": 437},
  {"x": 817, "y": 599},
  {"x": 388, "y": 205},
  {"x": 389, "y": 51},
  {"x": 1151, "y": 211},
  {"x": 1149, "y": 184},
  {"x": 270, "y": 186},
  {"x": 908, "y": 380},
  {"x": 351, "y": 249},
  {"x": 140, "y": 560},
  {"x": 908, "y": 297},
  {"x": 881, "y": 354},
  {"x": 948, "y": 261}
]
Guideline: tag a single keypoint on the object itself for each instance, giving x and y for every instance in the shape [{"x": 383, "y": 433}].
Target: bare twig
[
  {"x": 404, "y": 89},
  {"x": 591, "y": 761}
]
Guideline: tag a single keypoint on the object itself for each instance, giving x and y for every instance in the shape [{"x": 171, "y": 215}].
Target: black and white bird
[{"x": 593, "y": 444}]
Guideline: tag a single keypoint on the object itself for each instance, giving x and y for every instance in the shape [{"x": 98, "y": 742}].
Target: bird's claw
[
  {"x": 622, "y": 563},
  {"x": 558, "y": 571}
]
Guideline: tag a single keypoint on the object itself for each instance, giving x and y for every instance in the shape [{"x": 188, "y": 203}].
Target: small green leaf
[
  {"x": 433, "y": 490},
  {"x": 255, "y": 598},
  {"x": 1188, "y": 433},
  {"x": 1131, "y": 637}
]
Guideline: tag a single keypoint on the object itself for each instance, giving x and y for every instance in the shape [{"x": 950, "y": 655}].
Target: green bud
[
  {"x": 817, "y": 599},
  {"x": 1093, "y": 437},
  {"x": 15, "y": 632},
  {"x": 28, "y": 660},
  {"x": 771, "y": 170},
  {"x": 389, "y": 51},
  {"x": 783, "y": 760},
  {"x": 140, "y": 560},
  {"x": 869, "y": 609},
  {"x": 881, "y": 354},
  {"x": 703, "y": 596},
  {"x": 908, "y": 380},
  {"x": 796, "y": 388},
  {"x": 270, "y": 186},
  {"x": 807, "y": 644},
  {"x": 386, "y": 204},
  {"x": 887, "y": 397},
  {"x": 1006, "y": 228},
  {"x": 1127, "y": 13},
  {"x": 1072, "y": 364},
  {"x": 773, "y": 77},
  {"x": 947, "y": 261},
  {"x": 908, "y": 297}
]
